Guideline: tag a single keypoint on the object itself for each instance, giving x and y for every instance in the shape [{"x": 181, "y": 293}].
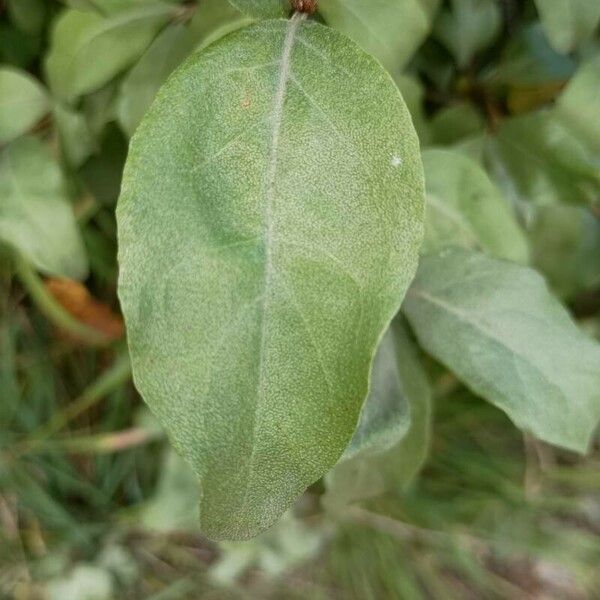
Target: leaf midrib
[{"x": 268, "y": 228}]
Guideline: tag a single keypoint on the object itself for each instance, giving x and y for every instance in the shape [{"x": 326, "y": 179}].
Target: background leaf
[
  {"x": 536, "y": 158},
  {"x": 498, "y": 328},
  {"x": 369, "y": 467},
  {"x": 371, "y": 472},
  {"x": 579, "y": 105},
  {"x": 23, "y": 102},
  {"x": 213, "y": 19},
  {"x": 264, "y": 9},
  {"x": 529, "y": 61},
  {"x": 100, "y": 109},
  {"x": 88, "y": 50},
  {"x": 290, "y": 245},
  {"x": 464, "y": 208},
  {"x": 76, "y": 140},
  {"x": 108, "y": 7},
  {"x": 565, "y": 242},
  {"x": 385, "y": 415},
  {"x": 35, "y": 217},
  {"x": 456, "y": 122},
  {"x": 374, "y": 25},
  {"x": 567, "y": 24},
  {"x": 29, "y": 15},
  {"x": 467, "y": 27},
  {"x": 139, "y": 88}
]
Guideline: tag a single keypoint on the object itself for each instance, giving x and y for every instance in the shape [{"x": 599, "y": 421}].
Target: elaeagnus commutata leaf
[
  {"x": 269, "y": 225},
  {"x": 496, "y": 325}
]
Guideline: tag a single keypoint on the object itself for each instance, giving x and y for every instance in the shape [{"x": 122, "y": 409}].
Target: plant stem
[
  {"x": 118, "y": 374},
  {"x": 102, "y": 443},
  {"x": 52, "y": 309}
]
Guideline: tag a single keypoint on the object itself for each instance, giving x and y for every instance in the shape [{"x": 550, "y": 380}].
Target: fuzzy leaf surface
[{"x": 269, "y": 225}]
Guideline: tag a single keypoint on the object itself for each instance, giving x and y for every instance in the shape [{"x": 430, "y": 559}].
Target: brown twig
[{"x": 305, "y": 6}]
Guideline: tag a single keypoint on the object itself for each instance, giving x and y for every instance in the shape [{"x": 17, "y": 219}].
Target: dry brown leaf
[{"x": 76, "y": 299}]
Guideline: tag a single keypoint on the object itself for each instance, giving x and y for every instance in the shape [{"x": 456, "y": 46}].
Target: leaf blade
[
  {"x": 23, "y": 102},
  {"x": 88, "y": 50},
  {"x": 280, "y": 395},
  {"x": 35, "y": 217},
  {"x": 499, "y": 329},
  {"x": 465, "y": 209},
  {"x": 375, "y": 26}
]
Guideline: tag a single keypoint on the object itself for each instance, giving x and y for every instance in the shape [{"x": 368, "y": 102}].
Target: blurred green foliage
[{"x": 92, "y": 502}]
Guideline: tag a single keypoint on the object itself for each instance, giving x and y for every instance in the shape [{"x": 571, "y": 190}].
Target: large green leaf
[
  {"x": 264, "y": 9},
  {"x": 269, "y": 224},
  {"x": 139, "y": 88},
  {"x": 35, "y": 217},
  {"x": 392, "y": 439},
  {"x": 467, "y": 27},
  {"x": 390, "y": 30},
  {"x": 88, "y": 50},
  {"x": 498, "y": 328},
  {"x": 464, "y": 208},
  {"x": 568, "y": 22},
  {"x": 23, "y": 102}
]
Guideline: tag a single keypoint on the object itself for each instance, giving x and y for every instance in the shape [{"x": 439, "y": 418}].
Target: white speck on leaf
[{"x": 396, "y": 161}]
